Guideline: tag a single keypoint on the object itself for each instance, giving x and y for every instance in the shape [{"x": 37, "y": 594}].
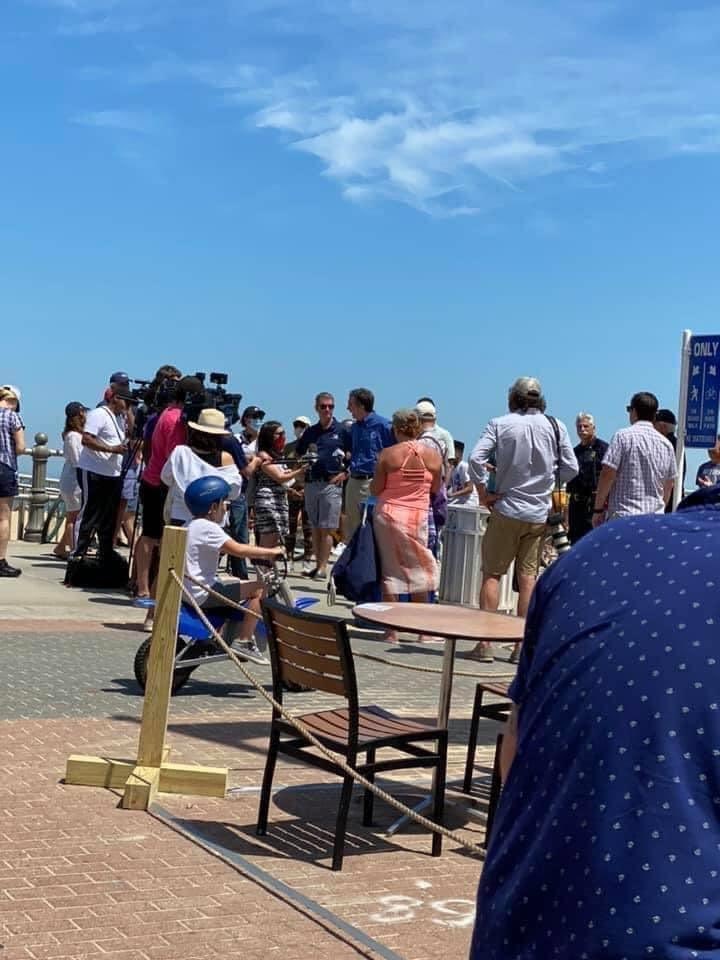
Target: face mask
[
  {"x": 255, "y": 425},
  {"x": 279, "y": 444}
]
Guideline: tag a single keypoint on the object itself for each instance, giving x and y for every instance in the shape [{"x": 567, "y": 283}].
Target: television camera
[{"x": 215, "y": 396}]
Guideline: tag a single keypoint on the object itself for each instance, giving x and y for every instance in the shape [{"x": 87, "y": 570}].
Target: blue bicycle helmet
[{"x": 202, "y": 493}]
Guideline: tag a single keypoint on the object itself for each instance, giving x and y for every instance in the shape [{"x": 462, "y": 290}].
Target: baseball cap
[
  {"x": 666, "y": 416},
  {"x": 254, "y": 412},
  {"x": 305, "y": 421},
  {"x": 74, "y": 408},
  {"x": 425, "y": 410},
  {"x": 119, "y": 377}
]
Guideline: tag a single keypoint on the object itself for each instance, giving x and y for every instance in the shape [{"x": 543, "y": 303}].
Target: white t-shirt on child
[
  {"x": 459, "y": 478},
  {"x": 205, "y": 540}
]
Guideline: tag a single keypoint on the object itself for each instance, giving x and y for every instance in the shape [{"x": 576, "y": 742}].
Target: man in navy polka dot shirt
[{"x": 607, "y": 839}]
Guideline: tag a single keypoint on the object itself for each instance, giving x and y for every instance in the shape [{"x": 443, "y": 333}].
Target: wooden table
[{"x": 450, "y": 622}]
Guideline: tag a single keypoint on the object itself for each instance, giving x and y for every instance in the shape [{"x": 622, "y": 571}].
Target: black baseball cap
[
  {"x": 74, "y": 408},
  {"x": 254, "y": 412},
  {"x": 119, "y": 377},
  {"x": 666, "y": 416}
]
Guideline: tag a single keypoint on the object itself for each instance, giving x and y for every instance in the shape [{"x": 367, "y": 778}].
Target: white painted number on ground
[{"x": 396, "y": 908}]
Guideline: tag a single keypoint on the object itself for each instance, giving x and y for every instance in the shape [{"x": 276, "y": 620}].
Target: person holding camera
[
  {"x": 531, "y": 454},
  {"x": 99, "y": 471},
  {"x": 169, "y": 431},
  {"x": 330, "y": 444}
]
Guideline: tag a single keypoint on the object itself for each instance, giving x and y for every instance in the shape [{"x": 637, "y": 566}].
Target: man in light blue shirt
[
  {"x": 529, "y": 456},
  {"x": 369, "y": 434}
]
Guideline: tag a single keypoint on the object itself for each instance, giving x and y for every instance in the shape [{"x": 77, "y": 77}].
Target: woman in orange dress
[{"x": 405, "y": 476}]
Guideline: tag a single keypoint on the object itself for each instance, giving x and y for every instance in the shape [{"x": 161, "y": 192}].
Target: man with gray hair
[
  {"x": 581, "y": 489},
  {"x": 531, "y": 450}
]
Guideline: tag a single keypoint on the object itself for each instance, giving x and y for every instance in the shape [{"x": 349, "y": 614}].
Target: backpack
[
  {"x": 356, "y": 572},
  {"x": 439, "y": 500}
]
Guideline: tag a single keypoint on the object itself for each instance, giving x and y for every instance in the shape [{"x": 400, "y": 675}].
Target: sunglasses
[
  {"x": 628, "y": 408},
  {"x": 326, "y": 406}
]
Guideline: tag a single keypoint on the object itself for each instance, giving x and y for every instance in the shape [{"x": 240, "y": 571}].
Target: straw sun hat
[{"x": 210, "y": 421}]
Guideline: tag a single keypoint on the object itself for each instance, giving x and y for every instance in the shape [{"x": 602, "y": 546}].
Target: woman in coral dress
[{"x": 405, "y": 476}]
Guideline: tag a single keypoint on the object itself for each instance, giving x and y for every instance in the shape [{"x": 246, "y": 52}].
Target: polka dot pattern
[{"x": 607, "y": 839}]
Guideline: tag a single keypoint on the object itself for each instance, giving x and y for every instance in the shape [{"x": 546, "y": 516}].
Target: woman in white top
[
  {"x": 69, "y": 484},
  {"x": 202, "y": 457}
]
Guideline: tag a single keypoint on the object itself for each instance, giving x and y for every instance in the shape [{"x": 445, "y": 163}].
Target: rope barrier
[
  {"x": 362, "y": 656},
  {"x": 335, "y": 758}
]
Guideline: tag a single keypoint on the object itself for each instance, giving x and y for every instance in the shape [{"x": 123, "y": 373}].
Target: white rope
[{"x": 335, "y": 758}]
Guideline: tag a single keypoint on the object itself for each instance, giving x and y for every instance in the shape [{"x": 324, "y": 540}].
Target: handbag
[{"x": 356, "y": 573}]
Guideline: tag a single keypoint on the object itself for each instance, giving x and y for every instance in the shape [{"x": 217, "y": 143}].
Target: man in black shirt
[
  {"x": 665, "y": 423},
  {"x": 581, "y": 489},
  {"x": 329, "y": 444}
]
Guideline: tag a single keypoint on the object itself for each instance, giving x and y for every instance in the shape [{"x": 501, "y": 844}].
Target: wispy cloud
[
  {"x": 127, "y": 121},
  {"x": 451, "y": 107}
]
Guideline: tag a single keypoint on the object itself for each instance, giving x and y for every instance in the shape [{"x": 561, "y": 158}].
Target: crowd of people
[{"x": 605, "y": 838}]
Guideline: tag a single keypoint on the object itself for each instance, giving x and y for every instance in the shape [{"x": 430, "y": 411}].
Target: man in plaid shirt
[{"x": 639, "y": 468}]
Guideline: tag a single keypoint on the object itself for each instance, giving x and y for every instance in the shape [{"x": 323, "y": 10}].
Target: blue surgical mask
[{"x": 255, "y": 424}]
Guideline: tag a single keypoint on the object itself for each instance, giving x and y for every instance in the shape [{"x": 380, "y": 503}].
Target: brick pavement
[{"x": 80, "y": 878}]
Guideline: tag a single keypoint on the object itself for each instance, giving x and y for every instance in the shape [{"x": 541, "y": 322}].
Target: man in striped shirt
[{"x": 639, "y": 468}]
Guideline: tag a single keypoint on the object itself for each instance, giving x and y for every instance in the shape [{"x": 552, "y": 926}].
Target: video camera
[{"x": 215, "y": 396}]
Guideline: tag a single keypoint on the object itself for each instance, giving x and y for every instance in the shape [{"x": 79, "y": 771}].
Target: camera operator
[
  {"x": 169, "y": 431},
  {"x": 104, "y": 442},
  {"x": 529, "y": 459}
]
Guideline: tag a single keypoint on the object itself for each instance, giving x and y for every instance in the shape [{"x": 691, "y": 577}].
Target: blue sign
[{"x": 703, "y": 392}]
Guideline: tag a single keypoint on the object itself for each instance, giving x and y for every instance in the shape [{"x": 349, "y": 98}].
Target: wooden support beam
[
  {"x": 97, "y": 771},
  {"x": 87, "y": 771},
  {"x": 141, "y": 787},
  {"x": 156, "y": 704},
  {"x": 194, "y": 781}
]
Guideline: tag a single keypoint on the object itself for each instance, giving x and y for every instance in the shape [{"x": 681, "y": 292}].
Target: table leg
[{"x": 446, "y": 680}]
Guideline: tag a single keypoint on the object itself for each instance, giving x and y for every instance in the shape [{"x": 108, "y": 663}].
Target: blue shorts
[{"x": 8, "y": 481}]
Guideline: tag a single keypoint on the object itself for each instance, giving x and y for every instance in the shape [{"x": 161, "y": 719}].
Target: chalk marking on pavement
[{"x": 274, "y": 885}]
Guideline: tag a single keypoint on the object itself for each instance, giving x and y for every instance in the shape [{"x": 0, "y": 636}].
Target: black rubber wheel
[{"x": 180, "y": 676}]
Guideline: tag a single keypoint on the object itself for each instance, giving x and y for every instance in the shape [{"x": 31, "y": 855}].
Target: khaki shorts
[{"x": 506, "y": 540}]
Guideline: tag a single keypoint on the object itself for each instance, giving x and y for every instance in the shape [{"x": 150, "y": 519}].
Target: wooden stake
[{"x": 162, "y": 649}]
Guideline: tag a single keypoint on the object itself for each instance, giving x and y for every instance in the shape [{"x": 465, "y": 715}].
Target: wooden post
[
  {"x": 151, "y": 773},
  {"x": 156, "y": 705}
]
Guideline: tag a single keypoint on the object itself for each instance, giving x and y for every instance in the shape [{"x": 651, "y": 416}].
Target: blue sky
[{"x": 412, "y": 196}]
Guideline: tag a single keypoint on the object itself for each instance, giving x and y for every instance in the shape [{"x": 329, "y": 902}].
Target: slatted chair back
[{"x": 310, "y": 650}]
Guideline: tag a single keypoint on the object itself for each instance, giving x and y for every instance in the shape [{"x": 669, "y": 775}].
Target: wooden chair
[
  {"x": 314, "y": 651},
  {"x": 499, "y": 711}
]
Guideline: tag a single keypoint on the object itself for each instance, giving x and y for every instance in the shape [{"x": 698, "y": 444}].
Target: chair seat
[{"x": 375, "y": 726}]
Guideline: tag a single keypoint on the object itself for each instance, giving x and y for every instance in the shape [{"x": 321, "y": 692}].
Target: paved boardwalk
[{"x": 81, "y": 878}]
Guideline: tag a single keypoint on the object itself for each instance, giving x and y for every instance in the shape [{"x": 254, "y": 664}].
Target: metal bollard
[{"x": 41, "y": 453}]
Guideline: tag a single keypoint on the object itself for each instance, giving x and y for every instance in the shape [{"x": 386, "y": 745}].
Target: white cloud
[
  {"x": 451, "y": 107},
  {"x": 127, "y": 121}
]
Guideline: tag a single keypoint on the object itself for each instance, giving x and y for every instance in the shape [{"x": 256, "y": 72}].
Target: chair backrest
[{"x": 310, "y": 650}]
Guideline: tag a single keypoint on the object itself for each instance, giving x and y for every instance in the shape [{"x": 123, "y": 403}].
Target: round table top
[{"x": 462, "y": 623}]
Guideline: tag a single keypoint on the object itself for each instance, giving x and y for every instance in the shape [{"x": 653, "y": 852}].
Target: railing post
[{"x": 38, "y": 494}]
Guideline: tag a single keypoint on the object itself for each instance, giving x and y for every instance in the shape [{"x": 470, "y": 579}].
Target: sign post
[{"x": 699, "y": 397}]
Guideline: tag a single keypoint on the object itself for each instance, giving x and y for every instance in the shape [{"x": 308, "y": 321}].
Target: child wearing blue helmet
[{"x": 206, "y": 540}]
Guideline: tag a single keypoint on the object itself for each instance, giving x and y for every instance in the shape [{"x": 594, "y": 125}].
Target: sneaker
[
  {"x": 7, "y": 571},
  {"x": 336, "y": 551},
  {"x": 482, "y": 653},
  {"x": 309, "y": 569},
  {"x": 250, "y": 651}
]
